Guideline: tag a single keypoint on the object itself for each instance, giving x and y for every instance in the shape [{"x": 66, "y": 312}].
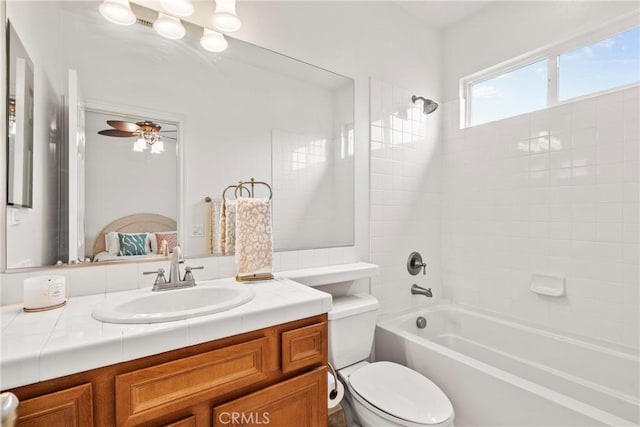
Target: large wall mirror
[{"x": 244, "y": 113}]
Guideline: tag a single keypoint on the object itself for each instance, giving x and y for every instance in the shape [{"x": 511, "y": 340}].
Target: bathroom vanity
[{"x": 275, "y": 374}]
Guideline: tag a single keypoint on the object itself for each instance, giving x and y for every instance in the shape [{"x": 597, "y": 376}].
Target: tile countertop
[{"x": 50, "y": 344}]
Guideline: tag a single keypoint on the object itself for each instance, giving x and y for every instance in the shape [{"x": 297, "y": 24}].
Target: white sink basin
[{"x": 177, "y": 304}]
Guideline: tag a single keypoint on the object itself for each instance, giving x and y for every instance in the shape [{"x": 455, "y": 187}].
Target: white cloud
[
  {"x": 606, "y": 43},
  {"x": 486, "y": 91}
]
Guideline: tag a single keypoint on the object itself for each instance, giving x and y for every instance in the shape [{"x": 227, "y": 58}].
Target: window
[
  {"x": 509, "y": 94},
  {"x": 581, "y": 67},
  {"x": 603, "y": 65}
]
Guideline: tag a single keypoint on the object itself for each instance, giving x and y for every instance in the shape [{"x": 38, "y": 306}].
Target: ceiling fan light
[
  {"x": 157, "y": 147},
  {"x": 140, "y": 145},
  {"x": 117, "y": 11},
  {"x": 213, "y": 41},
  {"x": 225, "y": 18},
  {"x": 178, "y": 7},
  {"x": 169, "y": 27}
]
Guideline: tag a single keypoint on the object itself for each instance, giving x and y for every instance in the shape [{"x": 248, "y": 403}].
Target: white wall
[
  {"x": 405, "y": 195},
  {"x": 551, "y": 192}
]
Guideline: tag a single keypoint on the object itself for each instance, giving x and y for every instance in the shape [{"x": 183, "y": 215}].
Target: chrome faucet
[
  {"x": 174, "y": 268},
  {"x": 419, "y": 290},
  {"x": 174, "y": 282}
]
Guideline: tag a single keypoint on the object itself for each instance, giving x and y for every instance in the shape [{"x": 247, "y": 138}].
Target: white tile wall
[
  {"x": 405, "y": 195},
  {"x": 93, "y": 279},
  {"x": 551, "y": 192}
]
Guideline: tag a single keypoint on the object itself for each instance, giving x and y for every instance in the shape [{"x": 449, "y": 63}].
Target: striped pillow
[{"x": 132, "y": 243}]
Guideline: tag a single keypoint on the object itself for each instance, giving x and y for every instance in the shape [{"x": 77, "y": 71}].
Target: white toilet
[{"x": 379, "y": 393}]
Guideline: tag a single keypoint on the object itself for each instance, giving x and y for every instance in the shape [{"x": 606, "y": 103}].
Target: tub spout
[{"x": 419, "y": 290}]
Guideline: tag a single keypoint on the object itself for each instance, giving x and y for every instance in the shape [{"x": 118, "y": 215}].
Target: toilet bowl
[
  {"x": 379, "y": 393},
  {"x": 389, "y": 394}
]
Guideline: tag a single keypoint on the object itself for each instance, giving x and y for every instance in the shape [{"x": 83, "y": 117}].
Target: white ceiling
[{"x": 441, "y": 13}]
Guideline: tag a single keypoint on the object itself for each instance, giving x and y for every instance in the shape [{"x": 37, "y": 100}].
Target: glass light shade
[
  {"x": 169, "y": 27},
  {"x": 117, "y": 11},
  {"x": 157, "y": 147},
  {"x": 225, "y": 17},
  {"x": 213, "y": 41},
  {"x": 140, "y": 145},
  {"x": 178, "y": 7}
]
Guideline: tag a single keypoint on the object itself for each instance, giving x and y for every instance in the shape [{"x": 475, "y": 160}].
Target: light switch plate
[{"x": 197, "y": 230}]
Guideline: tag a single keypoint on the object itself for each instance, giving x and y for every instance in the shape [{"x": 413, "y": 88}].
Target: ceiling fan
[{"x": 147, "y": 132}]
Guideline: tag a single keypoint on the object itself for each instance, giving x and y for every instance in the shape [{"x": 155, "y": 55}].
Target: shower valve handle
[{"x": 415, "y": 264}]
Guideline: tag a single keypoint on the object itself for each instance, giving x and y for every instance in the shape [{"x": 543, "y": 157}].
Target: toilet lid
[{"x": 401, "y": 392}]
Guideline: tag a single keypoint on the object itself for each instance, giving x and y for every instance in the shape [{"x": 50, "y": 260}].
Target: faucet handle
[
  {"x": 188, "y": 276},
  {"x": 415, "y": 264},
  {"x": 160, "y": 279}
]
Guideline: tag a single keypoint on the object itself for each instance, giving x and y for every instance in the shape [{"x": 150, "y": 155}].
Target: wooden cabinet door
[
  {"x": 300, "y": 402},
  {"x": 304, "y": 347},
  {"x": 72, "y": 407}
]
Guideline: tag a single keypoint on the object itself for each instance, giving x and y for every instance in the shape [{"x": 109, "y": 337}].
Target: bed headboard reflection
[{"x": 137, "y": 223}]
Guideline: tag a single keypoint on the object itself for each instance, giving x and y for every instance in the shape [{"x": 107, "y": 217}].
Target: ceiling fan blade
[
  {"x": 117, "y": 133},
  {"x": 125, "y": 126}
]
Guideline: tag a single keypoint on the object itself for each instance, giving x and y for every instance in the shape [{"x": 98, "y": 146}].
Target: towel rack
[
  {"x": 253, "y": 183},
  {"x": 242, "y": 188},
  {"x": 235, "y": 192}
]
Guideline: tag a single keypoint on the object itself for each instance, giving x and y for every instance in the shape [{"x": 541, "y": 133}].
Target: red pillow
[{"x": 170, "y": 236}]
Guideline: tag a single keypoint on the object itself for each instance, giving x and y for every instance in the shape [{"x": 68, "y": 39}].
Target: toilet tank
[{"x": 352, "y": 323}]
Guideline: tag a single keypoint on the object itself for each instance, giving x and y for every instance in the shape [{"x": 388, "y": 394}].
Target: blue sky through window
[
  {"x": 603, "y": 65},
  {"x": 516, "y": 92}
]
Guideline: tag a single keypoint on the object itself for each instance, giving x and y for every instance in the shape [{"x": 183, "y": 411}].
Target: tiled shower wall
[
  {"x": 553, "y": 192},
  {"x": 405, "y": 191}
]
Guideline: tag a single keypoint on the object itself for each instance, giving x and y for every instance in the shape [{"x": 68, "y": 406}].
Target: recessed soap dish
[{"x": 554, "y": 286}]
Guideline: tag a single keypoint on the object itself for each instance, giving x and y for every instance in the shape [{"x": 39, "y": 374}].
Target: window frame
[{"x": 552, "y": 54}]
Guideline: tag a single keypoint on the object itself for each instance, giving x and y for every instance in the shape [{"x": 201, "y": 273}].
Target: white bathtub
[{"x": 502, "y": 373}]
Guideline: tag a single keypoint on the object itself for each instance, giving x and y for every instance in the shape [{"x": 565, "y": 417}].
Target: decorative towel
[
  {"x": 228, "y": 227},
  {"x": 215, "y": 216},
  {"x": 254, "y": 243}
]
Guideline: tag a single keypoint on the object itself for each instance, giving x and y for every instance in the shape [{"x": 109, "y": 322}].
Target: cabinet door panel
[
  {"x": 152, "y": 392},
  {"x": 72, "y": 407},
  {"x": 300, "y": 402},
  {"x": 304, "y": 347}
]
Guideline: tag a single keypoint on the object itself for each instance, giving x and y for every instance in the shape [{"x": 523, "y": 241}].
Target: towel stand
[{"x": 242, "y": 188}]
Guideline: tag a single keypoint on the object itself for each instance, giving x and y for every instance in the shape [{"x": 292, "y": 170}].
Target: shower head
[{"x": 428, "y": 106}]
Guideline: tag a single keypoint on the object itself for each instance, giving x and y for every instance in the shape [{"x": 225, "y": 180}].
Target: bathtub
[{"x": 498, "y": 372}]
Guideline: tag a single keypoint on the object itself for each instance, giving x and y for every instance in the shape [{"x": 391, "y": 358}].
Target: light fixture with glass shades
[
  {"x": 140, "y": 145},
  {"x": 117, "y": 11},
  {"x": 213, "y": 41},
  {"x": 157, "y": 147},
  {"x": 169, "y": 27},
  {"x": 225, "y": 18},
  {"x": 178, "y": 7}
]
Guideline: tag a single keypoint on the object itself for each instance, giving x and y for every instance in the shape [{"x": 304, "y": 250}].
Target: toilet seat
[{"x": 400, "y": 394}]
